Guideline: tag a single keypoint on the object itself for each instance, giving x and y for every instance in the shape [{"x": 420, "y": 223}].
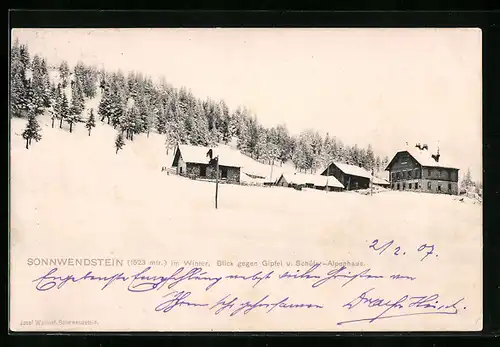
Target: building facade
[
  {"x": 352, "y": 177},
  {"x": 418, "y": 171},
  {"x": 193, "y": 162},
  {"x": 299, "y": 180}
]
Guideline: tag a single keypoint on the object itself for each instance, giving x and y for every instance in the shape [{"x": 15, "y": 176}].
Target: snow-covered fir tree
[
  {"x": 90, "y": 124},
  {"x": 119, "y": 142},
  {"x": 64, "y": 73},
  {"x": 32, "y": 130},
  {"x": 64, "y": 109},
  {"x": 19, "y": 58}
]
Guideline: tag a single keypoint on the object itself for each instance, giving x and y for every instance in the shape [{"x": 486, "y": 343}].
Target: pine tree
[
  {"x": 18, "y": 81},
  {"x": 385, "y": 162},
  {"x": 64, "y": 73},
  {"x": 32, "y": 130},
  {"x": 316, "y": 151},
  {"x": 378, "y": 164},
  {"x": 302, "y": 154},
  {"x": 87, "y": 79},
  {"x": 104, "y": 109},
  {"x": 273, "y": 150},
  {"x": 283, "y": 142},
  {"x": 119, "y": 142},
  {"x": 57, "y": 104},
  {"x": 64, "y": 109},
  {"x": 128, "y": 123},
  {"x": 46, "y": 84},
  {"x": 467, "y": 182},
  {"x": 77, "y": 98},
  {"x": 224, "y": 123},
  {"x": 71, "y": 119},
  {"x": 161, "y": 121},
  {"x": 370, "y": 158},
  {"x": 90, "y": 121},
  {"x": 115, "y": 109}
]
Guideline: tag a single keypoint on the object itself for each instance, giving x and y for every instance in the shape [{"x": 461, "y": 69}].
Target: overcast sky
[{"x": 378, "y": 86}]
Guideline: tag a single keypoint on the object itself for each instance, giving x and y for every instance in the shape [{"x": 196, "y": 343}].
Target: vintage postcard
[{"x": 225, "y": 180}]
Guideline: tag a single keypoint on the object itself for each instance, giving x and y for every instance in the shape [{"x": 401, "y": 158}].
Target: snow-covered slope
[{"x": 76, "y": 182}]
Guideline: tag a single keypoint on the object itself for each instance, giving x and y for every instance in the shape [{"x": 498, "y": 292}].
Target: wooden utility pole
[
  {"x": 371, "y": 184},
  {"x": 216, "y": 179},
  {"x": 272, "y": 165},
  {"x": 327, "y": 174}
]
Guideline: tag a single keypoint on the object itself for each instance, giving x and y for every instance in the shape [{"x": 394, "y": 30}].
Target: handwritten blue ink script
[{"x": 372, "y": 307}]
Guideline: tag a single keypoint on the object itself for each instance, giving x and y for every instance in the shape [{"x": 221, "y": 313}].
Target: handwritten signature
[
  {"x": 229, "y": 303},
  {"x": 424, "y": 305}
]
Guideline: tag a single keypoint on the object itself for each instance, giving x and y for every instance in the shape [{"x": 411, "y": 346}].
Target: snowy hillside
[{"x": 74, "y": 185}]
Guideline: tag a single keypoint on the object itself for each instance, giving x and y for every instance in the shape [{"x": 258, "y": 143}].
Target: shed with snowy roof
[
  {"x": 351, "y": 176},
  {"x": 309, "y": 181},
  {"x": 199, "y": 162}
]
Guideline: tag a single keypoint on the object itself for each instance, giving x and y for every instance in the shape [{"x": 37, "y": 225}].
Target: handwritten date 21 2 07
[{"x": 424, "y": 249}]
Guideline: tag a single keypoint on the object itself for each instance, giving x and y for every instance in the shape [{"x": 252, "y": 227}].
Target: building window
[
  {"x": 398, "y": 186},
  {"x": 449, "y": 187},
  {"x": 203, "y": 171},
  {"x": 428, "y": 185},
  {"x": 409, "y": 186},
  {"x": 393, "y": 176},
  {"x": 224, "y": 172},
  {"x": 180, "y": 170},
  {"x": 416, "y": 185},
  {"x": 417, "y": 173},
  {"x": 439, "y": 187},
  {"x": 404, "y": 185}
]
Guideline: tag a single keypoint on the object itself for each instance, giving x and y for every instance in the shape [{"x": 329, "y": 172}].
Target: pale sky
[{"x": 379, "y": 86}]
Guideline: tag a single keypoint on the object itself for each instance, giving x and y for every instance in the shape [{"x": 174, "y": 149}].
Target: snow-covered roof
[
  {"x": 424, "y": 158},
  {"x": 194, "y": 154},
  {"x": 352, "y": 170},
  {"x": 317, "y": 180},
  {"x": 378, "y": 180},
  {"x": 228, "y": 156},
  {"x": 199, "y": 155}
]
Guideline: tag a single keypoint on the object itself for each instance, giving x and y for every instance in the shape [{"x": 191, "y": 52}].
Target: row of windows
[
  {"x": 408, "y": 174},
  {"x": 415, "y": 173},
  {"x": 203, "y": 171},
  {"x": 413, "y": 186}
]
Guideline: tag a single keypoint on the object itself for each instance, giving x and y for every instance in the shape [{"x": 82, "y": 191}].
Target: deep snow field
[{"x": 73, "y": 188}]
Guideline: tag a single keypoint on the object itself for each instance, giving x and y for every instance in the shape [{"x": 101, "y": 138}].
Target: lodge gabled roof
[
  {"x": 424, "y": 158},
  {"x": 316, "y": 180},
  {"x": 199, "y": 155},
  {"x": 349, "y": 169}
]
